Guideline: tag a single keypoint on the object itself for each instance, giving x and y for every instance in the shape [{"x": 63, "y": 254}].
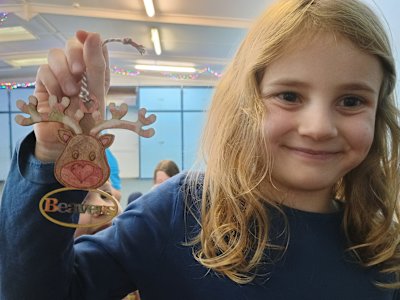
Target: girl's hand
[{"x": 61, "y": 77}]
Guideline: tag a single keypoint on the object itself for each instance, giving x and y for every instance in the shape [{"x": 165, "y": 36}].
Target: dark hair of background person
[{"x": 168, "y": 166}]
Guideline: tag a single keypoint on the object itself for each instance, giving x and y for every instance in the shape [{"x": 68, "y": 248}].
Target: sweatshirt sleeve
[
  {"x": 32, "y": 249},
  {"x": 40, "y": 260}
]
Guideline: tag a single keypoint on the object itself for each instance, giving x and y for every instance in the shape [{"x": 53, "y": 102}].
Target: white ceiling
[{"x": 202, "y": 33}]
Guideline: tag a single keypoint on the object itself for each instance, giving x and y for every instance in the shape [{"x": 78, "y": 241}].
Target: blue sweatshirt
[{"x": 144, "y": 249}]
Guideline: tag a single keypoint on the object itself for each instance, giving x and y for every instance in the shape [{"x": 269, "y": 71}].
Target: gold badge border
[{"x": 73, "y": 225}]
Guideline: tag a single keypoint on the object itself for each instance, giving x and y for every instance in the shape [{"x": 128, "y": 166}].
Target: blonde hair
[{"x": 234, "y": 216}]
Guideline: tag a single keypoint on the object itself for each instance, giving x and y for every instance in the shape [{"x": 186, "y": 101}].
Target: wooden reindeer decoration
[{"x": 83, "y": 164}]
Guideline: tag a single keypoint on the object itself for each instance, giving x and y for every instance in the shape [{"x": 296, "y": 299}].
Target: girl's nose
[{"x": 317, "y": 122}]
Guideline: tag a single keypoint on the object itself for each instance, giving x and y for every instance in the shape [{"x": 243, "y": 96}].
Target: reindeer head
[{"x": 83, "y": 163}]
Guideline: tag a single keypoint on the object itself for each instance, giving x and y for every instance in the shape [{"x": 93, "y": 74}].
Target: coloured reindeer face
[{"x": 83, "y": 162}]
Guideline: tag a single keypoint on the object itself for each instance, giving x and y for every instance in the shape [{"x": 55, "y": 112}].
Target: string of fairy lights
[
  {"x": 16, "y": 85},
  {"x": 3, "y": 17},
  {"x": 126, "y": 72}
]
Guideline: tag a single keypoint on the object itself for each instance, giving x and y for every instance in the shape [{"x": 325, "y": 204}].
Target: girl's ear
[
  {"x": 64, "y": 135},
  {"x": 106, "y": 140}
]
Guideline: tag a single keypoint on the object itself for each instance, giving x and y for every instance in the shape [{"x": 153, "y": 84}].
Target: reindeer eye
[
  {"x": 75, "y": 154},
  {"x": 92, "y": 156}
]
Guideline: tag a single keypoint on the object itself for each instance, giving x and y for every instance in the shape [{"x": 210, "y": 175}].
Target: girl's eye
[
  {"x": 288, "y": 96},
  {"x": 351, "y": 101}
]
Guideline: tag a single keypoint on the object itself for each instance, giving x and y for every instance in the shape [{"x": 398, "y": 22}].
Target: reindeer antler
[
  {"x": 56, "y": 114},
  {"x": 117, "y": 114}
]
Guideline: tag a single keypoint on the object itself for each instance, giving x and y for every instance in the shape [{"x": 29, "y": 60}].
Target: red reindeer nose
[
  {"x": 82, "y": 171},
  {"x": 82, "y": 174}
]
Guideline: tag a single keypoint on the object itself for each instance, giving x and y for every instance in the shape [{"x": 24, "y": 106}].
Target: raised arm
[{"x": 36, "y": 256}]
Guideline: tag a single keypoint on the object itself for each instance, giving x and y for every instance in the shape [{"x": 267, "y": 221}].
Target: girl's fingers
[
  {"x": 107, "y": 70},
  {"x": 74, "y": 55},
  {"x": 81, "y": 37},
  {"x": 96, "y": 64},
  {"x": 62, "y": 76},
  {"x": 59, "y": 66},
  {"x": 47, "y": 83}
]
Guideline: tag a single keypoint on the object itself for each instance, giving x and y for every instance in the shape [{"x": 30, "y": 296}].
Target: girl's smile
[{"x": 312, "y": 154}]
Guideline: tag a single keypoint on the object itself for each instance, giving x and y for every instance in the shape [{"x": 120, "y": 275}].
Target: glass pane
[
  {"x": 17, "y": 131},
  {"x": 165, "y": 144},
  {"x": 3, "y": 100},
  {"x": 5, "y": 157},
  {"x": 160, "y": 98},
  {"x": 197, "y": 98},
  {"x": 126, "y": 147},
  {"x": 192, "y": 128},
  {"x": 18, "y": 94}
]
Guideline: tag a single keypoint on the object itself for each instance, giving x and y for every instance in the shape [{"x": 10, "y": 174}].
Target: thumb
[{"x": 96, "y": 66}]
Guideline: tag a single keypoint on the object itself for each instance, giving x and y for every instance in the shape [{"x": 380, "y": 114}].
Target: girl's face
[
  {"x": 97, "y": 200},
  {"x": 321, "y": 99},
  {"x": 161, "y": 176}
]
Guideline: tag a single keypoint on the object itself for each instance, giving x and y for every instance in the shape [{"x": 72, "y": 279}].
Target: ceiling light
[
  {"x": 149, "y": 7},
  {"x": 25, "y": 62},
  {"x": 165, "y": 68},
  {"x": 15, "y": 33},
  {"x": 164, "y": 63},
  {"x": 155, "y": 38}
]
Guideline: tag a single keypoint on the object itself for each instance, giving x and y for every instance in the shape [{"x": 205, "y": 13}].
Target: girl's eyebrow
[
  {"x": 352, "y": 86},
  {"x": 358, "y": 86},
  {"x": 283, "y": 82},
  {"x": 288, "y": 82}
]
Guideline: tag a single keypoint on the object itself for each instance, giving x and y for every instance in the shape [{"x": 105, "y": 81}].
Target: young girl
[{"x": 299, "y": 198}]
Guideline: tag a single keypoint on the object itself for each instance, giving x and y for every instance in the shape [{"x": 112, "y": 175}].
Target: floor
[{"x": 130, "y": 185}]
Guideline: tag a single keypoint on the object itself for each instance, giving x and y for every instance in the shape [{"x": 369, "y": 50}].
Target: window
[{"x": 180, "y": 116}]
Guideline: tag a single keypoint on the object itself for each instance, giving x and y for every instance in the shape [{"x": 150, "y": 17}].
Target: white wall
[
  {"x": 126, "y": 143},
  {"x": 389, "y": 11}
]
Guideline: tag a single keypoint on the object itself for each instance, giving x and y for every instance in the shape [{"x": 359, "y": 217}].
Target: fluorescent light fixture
[
  {"x": 149, "y": 7},
  {"x": 25, "y": 62},
  {"x": 164, "y": 63},
  {"x": 155, "y": 38},
  {"x": 165, "y": 68},
  {"x": 15, "y": 33}
]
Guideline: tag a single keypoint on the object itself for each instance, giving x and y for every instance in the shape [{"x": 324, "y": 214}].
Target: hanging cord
[{"x": 84, "y": 93}]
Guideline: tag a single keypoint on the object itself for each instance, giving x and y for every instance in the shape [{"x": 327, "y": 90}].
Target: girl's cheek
[{"x": 277, "y": 123}]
